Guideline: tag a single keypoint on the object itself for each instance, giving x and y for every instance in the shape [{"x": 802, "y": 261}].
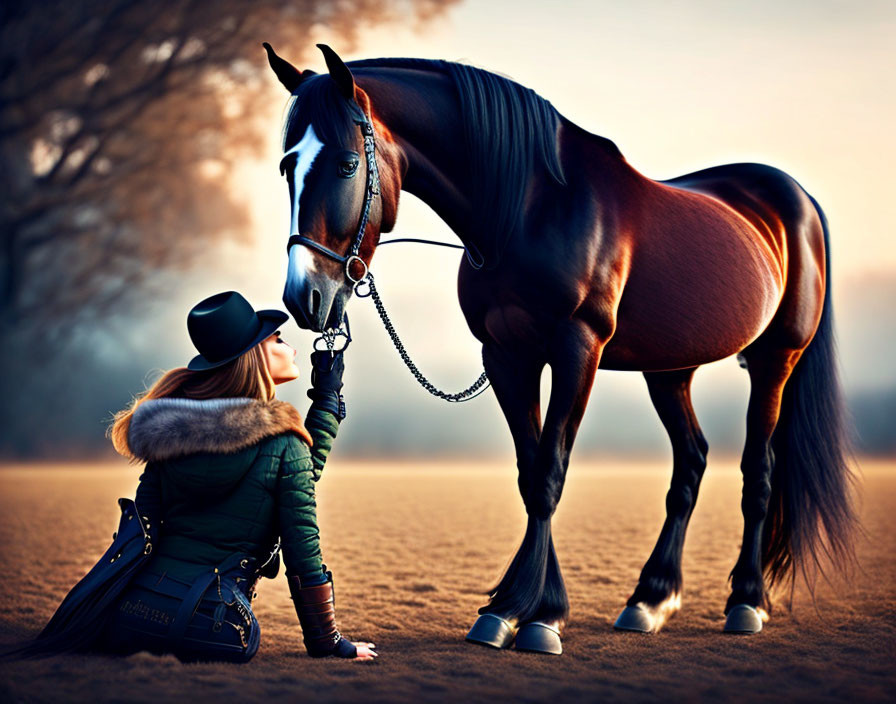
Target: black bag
[
  {"x": 81, "y": 615},
  {"x": 208, "y": 618}
]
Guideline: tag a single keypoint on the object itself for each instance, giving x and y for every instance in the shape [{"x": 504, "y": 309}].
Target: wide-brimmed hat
[{"x": 225, "y": 325}]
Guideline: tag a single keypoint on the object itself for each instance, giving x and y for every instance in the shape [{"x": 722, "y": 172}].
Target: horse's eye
[{"x": 348, "y": 168}]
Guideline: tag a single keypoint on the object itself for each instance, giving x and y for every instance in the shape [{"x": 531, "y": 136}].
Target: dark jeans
[{"x": 222, "y": 627}]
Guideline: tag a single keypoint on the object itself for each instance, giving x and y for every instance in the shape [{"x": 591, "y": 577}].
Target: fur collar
[{"x": 164, "y": 428}]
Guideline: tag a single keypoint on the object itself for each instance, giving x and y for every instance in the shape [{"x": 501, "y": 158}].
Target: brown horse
[{"x": 577, "y": 261}]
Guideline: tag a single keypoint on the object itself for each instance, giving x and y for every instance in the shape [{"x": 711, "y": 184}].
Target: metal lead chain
[
  {"x": 328, "y": 338},
  {"x": 467, "y": 394}
]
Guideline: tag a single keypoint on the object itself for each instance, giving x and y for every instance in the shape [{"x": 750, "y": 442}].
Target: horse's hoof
[
  {"x": 539, "y": 637},
  {"x": 644, "y": 618},
  {"x": 493, "y": 631},
  {"x": 743, "y": 619},
  {"x": 635, "y": 618}
]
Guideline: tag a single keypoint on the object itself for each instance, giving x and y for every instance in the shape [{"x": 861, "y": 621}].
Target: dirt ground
[{"x": 414, "y": 545}]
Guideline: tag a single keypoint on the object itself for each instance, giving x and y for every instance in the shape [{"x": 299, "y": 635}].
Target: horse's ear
[
  {"x": 339, "y": 72},
  {"x": 287, "y": 73}
]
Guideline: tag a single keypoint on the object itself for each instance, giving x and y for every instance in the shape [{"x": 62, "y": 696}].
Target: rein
[{"x": 328, "y": 337}]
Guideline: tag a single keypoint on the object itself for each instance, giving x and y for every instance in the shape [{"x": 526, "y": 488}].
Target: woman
[{"x": 229, "y": 470}]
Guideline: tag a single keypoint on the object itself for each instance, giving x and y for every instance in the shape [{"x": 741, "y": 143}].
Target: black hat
[{"x": 225, "y": 325}]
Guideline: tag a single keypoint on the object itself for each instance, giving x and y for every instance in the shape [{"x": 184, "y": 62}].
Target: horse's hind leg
[
  {"x": 658, "y": 594},
  {"x": 769, "y": 370}
]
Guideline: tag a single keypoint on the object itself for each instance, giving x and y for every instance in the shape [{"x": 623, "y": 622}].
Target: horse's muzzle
[{"x": 316, "y": 304}]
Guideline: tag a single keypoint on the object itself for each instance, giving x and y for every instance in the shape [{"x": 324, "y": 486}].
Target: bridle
[
  {"x": 328, "y": 337},
  {"x": 372, "y": 189}
]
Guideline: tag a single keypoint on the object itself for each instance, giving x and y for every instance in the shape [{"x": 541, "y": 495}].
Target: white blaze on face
[
  {"x": 300, "y": 260},
  {"x": 301, "y": 263}
]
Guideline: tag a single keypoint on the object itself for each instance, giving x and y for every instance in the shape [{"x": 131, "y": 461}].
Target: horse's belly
[{"x": 692, "y": 305}]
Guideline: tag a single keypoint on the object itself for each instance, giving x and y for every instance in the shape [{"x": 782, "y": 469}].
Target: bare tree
[
  {"x": 119, "y": 123},
  {"x": 119, "y": 120}
]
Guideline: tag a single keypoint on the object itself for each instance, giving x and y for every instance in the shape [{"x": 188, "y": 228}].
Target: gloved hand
[{"x": 326, "y": 381}]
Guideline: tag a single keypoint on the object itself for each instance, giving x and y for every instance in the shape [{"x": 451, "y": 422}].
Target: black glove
[{"x": 326, "y": 381}]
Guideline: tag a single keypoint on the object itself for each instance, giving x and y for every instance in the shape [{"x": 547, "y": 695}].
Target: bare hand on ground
[{"x": 365, "y": 651}]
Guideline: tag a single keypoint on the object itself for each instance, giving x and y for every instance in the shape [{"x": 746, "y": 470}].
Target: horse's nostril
[{"x": 315, "y": 303}]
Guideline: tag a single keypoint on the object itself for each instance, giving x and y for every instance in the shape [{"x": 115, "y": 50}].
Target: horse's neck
[{"x": 420, "y": 110}]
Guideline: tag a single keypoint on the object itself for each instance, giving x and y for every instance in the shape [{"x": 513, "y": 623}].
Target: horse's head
[{"x": 341, "y": 196}]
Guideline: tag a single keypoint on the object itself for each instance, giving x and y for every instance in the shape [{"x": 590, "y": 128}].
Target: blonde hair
[{"x": 247, "y": 376}]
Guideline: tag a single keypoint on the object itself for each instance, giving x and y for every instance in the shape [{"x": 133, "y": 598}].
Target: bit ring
[{"x": 348, "y": 269}]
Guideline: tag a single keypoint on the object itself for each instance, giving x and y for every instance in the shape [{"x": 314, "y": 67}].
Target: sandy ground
[{"x": 413, "y": 546}]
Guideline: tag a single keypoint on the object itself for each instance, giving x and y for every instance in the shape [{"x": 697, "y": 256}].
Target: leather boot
[{"x": 316, "y": 608}]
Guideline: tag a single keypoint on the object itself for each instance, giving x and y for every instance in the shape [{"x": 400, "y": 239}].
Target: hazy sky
[{"x": 679, "y": 86}]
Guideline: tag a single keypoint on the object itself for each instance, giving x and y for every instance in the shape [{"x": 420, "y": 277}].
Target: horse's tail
[{"x": 811, "y": 518}]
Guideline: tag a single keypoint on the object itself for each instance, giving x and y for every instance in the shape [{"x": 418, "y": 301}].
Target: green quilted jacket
[{"x": 226, "y": 476}]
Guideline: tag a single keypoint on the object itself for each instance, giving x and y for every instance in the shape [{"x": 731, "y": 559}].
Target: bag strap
[{"x": 191, "y": 601}]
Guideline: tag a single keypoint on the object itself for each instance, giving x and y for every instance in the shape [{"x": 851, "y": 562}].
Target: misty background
[{"x": 140, "y": 142}]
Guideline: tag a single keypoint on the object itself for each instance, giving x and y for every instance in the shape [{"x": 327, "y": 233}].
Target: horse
[{"x": 577, "y": 261}]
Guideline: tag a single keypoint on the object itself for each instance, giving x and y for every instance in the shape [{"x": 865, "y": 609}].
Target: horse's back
[{"x": 766, "y": 196}]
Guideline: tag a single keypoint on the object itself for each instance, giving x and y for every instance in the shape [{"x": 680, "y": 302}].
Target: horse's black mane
[
  {"x": 509, "y": 131},
  {"x": 397, "y": 62}
]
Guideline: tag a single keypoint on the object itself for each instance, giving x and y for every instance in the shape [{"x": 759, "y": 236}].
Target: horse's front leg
[
  {"x": 514, "y": 373},
  {"x": 532, "y": 592}
]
